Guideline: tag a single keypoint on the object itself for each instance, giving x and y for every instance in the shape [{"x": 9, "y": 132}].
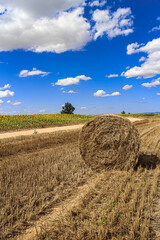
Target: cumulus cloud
[
  {"x": 127, "y": 87},
  {"x": 150, "y": 67},
  {"x": 157, "y": 28},
  {"x": 70, "y": 91},
  {"x": 34, "y": 72},
  {"x": 97, "y": 3},
  {"x": 40, "y": 8},
  {"x": 112, "y": 76},
  {"x": 38, "y": 26},
  {"x": 70, "y": 80},
  {"x": 5, "y": 86},
  {"x": 2, "y": 9},
  {"x": 102, "y": 93},
  {"x": 153, "y": 83},
  {"x": 132, "y": 48},
  {"x": 112, "y": 24},
  {"x": 57, "y": 26},
  {"x": 142, "y": 59},
  {"x": 14, "y": 103},
  {"x": 6, "y": 93},
  {"x": 1, "y": 101}
]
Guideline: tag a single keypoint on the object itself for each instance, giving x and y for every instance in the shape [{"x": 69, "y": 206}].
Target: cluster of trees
[
  {"x": 123, "y": 112},
  {"x": 69, "y": 109}
]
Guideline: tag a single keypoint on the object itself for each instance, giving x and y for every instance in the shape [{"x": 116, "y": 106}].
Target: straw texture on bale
[{"x": 109, "y": 142}]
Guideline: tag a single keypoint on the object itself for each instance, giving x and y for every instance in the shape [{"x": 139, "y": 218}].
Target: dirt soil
[{"x": 47, "y": 130}]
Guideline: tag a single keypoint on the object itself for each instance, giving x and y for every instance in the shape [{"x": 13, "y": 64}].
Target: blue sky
[{"x": 103, "y": 56}]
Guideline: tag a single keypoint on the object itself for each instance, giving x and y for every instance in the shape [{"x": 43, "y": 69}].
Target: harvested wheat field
[{"x": 47, "y": 191}]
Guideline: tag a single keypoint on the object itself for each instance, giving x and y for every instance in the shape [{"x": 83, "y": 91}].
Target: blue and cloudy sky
[{"x": 103, "y": 56}]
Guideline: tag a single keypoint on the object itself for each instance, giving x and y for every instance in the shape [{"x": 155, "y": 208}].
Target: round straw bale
[{"x": 109, "y": 142}]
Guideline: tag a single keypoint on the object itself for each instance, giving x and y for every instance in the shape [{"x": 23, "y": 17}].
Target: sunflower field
[{"x": 9, "y": 122}]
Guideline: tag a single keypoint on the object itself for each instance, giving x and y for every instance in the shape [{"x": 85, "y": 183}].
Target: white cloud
[
  {"x": 158, "y": 94},
  {"x": 5, "y": 86},
  {"x": 83, "y": 77},
  {"x": 114, "y": 94},
  {"x": 57, "y": 26},
  {"x": 112, "y": 24},
  {"x": 42, "y": 111},
  {"x": 127, "y": 87},
  {"x": 34, "y": 72},
  {"x": 40, "y": 8},
  {"x": 6, "y": 93},
  {"x": 27, "y": 26},
  {"x": 151, "y": 66},
  {"x": 71, "y": 80},
  {"x": 112, "y": 76},
  {"x": 102, "y": 93},
  {"x": 127, "y": 67},
  {"x": 2, "y": 9},
  {"x": 70, "y": 91},
  {"x": 14, "y": 103},
  {"x": 52, "y": 84},
  {"x": 143, "y": 98},
  {"x": 155, "y": 29},
  {"x": 83, "y": 108},
  {"x": 131, "y": 48},
  {"x": 67, "y": 81},
  {"x": 1, "y": 101},
  {"x": 153, "y": 83},
  {"x": 142, "y": 59},
  {"x": 97, "y": 3}
]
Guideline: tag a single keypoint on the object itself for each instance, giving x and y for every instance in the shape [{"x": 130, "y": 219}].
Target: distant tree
[
  {"x": 123, "y": 112},
  {"x": 67, "y": 108}
]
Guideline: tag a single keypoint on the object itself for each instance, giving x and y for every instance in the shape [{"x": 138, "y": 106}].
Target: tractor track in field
[{"x": 61, "y": 209}]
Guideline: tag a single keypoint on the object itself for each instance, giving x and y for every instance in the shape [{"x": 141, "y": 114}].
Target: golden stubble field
[{"x": 47, "y": 191}]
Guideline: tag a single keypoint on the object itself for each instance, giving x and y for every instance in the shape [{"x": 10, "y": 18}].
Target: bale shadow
[{"x": 148, "y": 161}]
